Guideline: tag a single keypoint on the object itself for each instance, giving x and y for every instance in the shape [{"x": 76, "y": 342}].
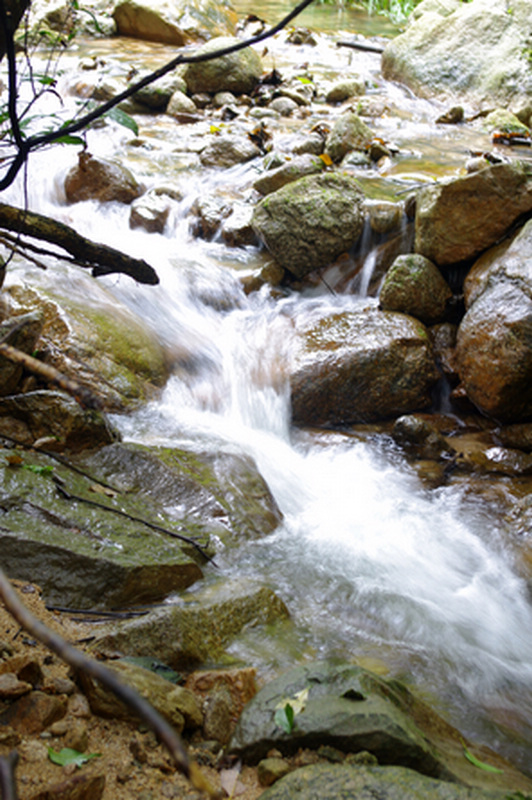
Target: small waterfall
[{"x": 368, "y": 561}]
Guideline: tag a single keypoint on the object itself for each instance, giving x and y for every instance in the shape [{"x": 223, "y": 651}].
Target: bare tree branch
[{"x": 99, "y": 672}]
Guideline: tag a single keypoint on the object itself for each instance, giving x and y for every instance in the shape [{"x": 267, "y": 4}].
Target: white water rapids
[{"x": 369, "y": 562}]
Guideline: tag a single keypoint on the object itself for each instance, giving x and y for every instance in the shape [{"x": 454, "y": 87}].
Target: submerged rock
[
  {"x": 308, "y": 223},
  {"x": 102, "y": 345},
  {"x": 361, "y": 367}
]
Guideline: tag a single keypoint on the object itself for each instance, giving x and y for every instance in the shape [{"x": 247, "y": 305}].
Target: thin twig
[
  {"x": 159, "y": 528},
  {"x": 99, "y": 672},
  {"x": 81, "y": 393}
]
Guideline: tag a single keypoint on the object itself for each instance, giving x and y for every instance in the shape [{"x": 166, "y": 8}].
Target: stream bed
[{"x": 373, "y": 565}]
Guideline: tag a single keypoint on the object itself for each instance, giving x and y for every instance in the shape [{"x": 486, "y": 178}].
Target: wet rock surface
[
  {"x": 308, "y": 223},
  {"x": 361, "y": 366},
  {"x": 439, "y": 52}
]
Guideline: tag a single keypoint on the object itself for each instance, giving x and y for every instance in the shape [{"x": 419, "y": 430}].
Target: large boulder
[
  {"x": 478, "y": 50},
  {"x": 102, "y": 344},
  {"x": 186, "y": 635},
  {"x": 351, "y": 709},
  {"x": 457, "y": 220},
  {"x": 494, "y": 342},
  {"x": 308, "y": 223},
  {"x": 174, "y": 21},
  {"x": 237, "y": 72},
  {"x": 132, "y": 527},
  {"x": 333, "y": 781},
  {"x": 361, "y": 366}
]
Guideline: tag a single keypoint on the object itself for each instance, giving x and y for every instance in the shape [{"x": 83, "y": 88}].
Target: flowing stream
[{"x": 372, "y": 565}]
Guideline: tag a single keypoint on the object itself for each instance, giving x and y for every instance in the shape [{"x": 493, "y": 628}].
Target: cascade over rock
[
  {"x": 360, "y": 367},
  {"x": 477, "y": 50}
]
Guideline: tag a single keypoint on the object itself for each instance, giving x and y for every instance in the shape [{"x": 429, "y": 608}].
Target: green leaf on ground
[{"x": 69, "y": 756}]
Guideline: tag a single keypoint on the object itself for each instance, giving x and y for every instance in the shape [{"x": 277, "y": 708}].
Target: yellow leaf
[
  {"x": 298, "y": 701},
  {"x": 327, "y": 160},
  {"x": 98, "y": 489}
]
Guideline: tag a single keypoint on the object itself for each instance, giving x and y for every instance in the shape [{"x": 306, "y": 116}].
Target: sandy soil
[{"x": 133, "y": 763}]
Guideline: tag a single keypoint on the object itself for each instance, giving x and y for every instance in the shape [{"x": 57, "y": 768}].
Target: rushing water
[{"x": 372, "y": 565}]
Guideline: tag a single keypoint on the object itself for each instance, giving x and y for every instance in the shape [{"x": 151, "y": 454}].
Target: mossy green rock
[
  {"x": 237, "y": 72},
  {"x": 415, "y": 286},
  {"x": 348, "y": 133},
  {"x": 196, "y": 631},
  {"x": 352, "y": 709},
  {"x": 361, "y": 367},
  {"x": 343, "y": 782},
  {"x": 98, "y": 342},
  {"x": 91, "y": 547},
  {"x": 311, "y": 221}
]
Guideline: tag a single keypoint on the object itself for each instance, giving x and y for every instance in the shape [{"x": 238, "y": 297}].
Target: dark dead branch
[
  {"x": 101, "y": 259},
  {"x": 367, "y": 47}
]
